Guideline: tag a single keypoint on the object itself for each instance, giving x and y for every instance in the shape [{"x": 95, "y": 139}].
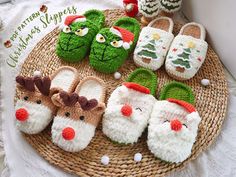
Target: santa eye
[
  {"x": 100, "y": 38},
  {"x": 26, "y": 98},
  {"x": 117, "y": 44},
  {"x": 166, "y": 121},
  {"x": 67, "y": 114},
  {"x": 81, "y": 31},
  {"x": 66, "y": 29},
  {"x": 138, "y": 109},
  {"x": 38, "y": 101},
  {"x": 185, "y": 125}
]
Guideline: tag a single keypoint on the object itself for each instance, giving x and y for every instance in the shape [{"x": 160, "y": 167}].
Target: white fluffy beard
[
  {"x": 39, "y": 117},
  {"x": 123, "y": 129},
  {"x": 169, "y": 145},
  {"x": 84, "y": 132}
]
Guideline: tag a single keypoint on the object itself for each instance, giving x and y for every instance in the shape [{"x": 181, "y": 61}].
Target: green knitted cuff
[
  {"x": 144, "y": 77},
  {"x": 112, "y": 46},
  {"x": 178, "y": 91},
  {"x": 76, "y": 37}
]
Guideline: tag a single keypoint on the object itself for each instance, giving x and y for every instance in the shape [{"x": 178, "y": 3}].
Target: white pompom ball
[
  {"x": 117, "y": 75},
  {"x": 205, "y": 82},
  {"x": 37, "y": 73},
  {"x": 138, "y": 157},
  {"x": 126, "y": 45},
  {"x": 105, "y": 160}
]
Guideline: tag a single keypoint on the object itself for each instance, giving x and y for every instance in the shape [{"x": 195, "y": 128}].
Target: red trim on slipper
[
  {"x": 190, "y": 108},
  {"x": 137, "y": 87}
]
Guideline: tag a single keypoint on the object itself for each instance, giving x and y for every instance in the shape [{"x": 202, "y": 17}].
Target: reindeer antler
[
  {"x": 87, "y": 104},
  {"x": 69, "y": 99},
  {"x": 43, "y": 84},
  {"x": 26, "y": 82}
]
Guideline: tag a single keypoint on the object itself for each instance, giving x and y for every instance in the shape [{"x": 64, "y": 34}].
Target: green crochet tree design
[
  {"x": 71, "y": 47},
  {"x": 149, "y": 8},
  {"x": 148, "y": 50},
  {"x": 106, "y": 58},
  {"x": 183, "y": 59},
  {"x": 170, "y": 5}
]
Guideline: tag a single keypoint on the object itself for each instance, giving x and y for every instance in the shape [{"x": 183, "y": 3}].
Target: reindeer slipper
[
  {"x": 78, "y": 115},
  {"x": 34, "y": 109},
  {"x": 187, "y": 52},
  {"x": 173, "y": 126},
  {"x": 77, "y": 35},
  {"x": 112, "y": 46},
  {"x": 127, "y": 113},
  {"x": 153, "y": 44},
  {"x": 144, "y": 77}
]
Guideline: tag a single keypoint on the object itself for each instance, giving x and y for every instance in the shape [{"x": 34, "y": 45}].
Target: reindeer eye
[
  {"x": 67, "y": 114},
  {"x": 81, "y": 117},
  {"x": 26, "y": 98},
  {"x": 38, "y": 101}
]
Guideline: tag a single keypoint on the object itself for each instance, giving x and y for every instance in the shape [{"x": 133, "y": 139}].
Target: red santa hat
[
  {"x": 126, "y": 36},
  {"x": 187, "y": 106},
  {"x": 130, "y": 1},
  {"x": 74, "y": 18},
  {"x": 137, "y": 87}
]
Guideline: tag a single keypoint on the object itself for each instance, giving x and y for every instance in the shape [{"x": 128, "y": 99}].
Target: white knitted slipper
[
  {"x": 153, "y": 44},
  {"x": 172, "y": 130},
  {"x": 127, "y": 113},
  {"x": 79, "y": 114},
  {"x": 187, "y": 52},
  {"x": 34, "y": 109}
]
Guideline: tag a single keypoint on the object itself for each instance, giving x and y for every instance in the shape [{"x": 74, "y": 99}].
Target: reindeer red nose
[
  {"x": 68, "y": 133},
  {"x": 22, "y": 114},
  {"x": 175, "y": 125},
  {"x": 126, "y": 110}
]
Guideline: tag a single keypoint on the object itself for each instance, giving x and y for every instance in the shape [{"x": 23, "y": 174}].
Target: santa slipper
[
  {"x": 77, "y": 35},
  {"x": 153, "y": 44},
  {"x": 127, "y": 113},
  {"x": 173, "y": 125},
  {"x": 187, "y": 52},
  {"x": 78, "y": 115},
  {"x": 34, "y": 109},
  {"x": 144, "y": 77},
  {"x": 178, "y": 91},
  {"x": 112, "y": 46}
]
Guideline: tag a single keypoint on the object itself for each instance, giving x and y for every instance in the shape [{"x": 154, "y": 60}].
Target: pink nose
[
  {"x": 22, "y": 114},
  {"x": 68, "y": 133},
  {"x": 175, "y": 125},
  {"x": 126, "y": 110}
]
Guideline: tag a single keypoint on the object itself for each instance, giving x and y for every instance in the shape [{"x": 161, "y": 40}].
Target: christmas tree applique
[{"x": 183, "y": 61}]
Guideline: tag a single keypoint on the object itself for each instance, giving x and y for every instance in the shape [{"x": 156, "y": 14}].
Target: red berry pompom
[
  {"x": 126, "y": 110},
  {"x": 21, "y": 114},
  {"x": 175, "y": 125},
  {"x": 68, "y": 133}
]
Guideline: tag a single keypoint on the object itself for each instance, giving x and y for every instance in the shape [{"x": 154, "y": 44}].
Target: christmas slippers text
[
  {"x": 79, "y": 114},
  {"x": 128, "y": 109},
  {"x": 187, "y": 52},
  {"x": 153, "y": 44},
  {"x": 173, "y": 125},
  {"x": 77, "y": 35},
  {"x": 34, "y": 109},
  {"x": 112, "y": 46}
]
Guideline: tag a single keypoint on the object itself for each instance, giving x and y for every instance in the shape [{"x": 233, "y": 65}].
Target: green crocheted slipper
[
  {"x": 77, "y": 35},
  {"x": 177, "y": 90},
  {"x": 144, "y": 77},
  {"x": 112, "y": 46}
]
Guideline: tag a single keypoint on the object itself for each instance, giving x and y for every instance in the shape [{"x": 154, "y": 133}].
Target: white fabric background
[{"x": 23, "y": 161}]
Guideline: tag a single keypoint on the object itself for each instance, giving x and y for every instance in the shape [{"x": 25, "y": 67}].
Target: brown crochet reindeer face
[
  {"x": 34, "y": 109},
  {"x": 77, "y": 107}
]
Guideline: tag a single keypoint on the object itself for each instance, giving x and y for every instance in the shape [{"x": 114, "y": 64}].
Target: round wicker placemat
[{"x": 211, "y": 103}]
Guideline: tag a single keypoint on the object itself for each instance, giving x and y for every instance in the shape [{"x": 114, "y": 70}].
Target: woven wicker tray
[{"x": 211, "y": 103}]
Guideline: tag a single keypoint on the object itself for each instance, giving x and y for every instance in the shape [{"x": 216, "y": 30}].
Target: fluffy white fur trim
[
  {"x": 84, "y": 132},
  {"x": 39, "y": 117}
]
